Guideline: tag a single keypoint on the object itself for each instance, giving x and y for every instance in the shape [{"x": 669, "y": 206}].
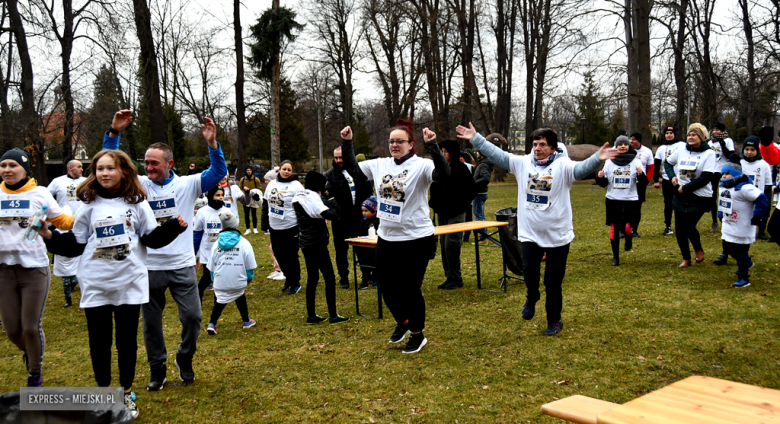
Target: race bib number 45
[{"x": 12, "y": 206}]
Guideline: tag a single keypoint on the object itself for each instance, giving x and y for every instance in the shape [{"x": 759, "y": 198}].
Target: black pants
[
  {"x": 714, "y": 204},
  {"x": 243, "y": 309},
  {"x": 342, "y": 231},
  {"x": 204, "y": 283},
  {"x": 554, "y": 271},
  {"x": 401, "y": 269},
  {"x": 285, "y": 243},
  {"x": 367, "y": 259},
  {"x": 773, "y": 227},
  {"x": 685, "y": 229},
  {"x": 318, "y": 260},
  {"x": 641, "y": 192},
  {"x": 620, "y": 214},
  {"x": 740, "y": 253},
  {"x": 469, "y": 218},
  {"x": 668, "y": 192},
  {"x": 247, "y": 211},
  {"x": 101, "y": 321}
]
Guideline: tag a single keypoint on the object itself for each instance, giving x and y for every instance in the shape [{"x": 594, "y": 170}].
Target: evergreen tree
[
  {"x": 293, "y": 143},
  {"x": 590, "y": 106},
  {"x": 617, "y": 124},
  {"x": 361, "y": 139},
  {"x": 107, "y": 99}
]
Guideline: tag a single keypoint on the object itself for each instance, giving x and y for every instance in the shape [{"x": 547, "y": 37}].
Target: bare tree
[
  {"x": 747, "y": 25},
  {"x": 707, "y": 80},
  {"x": 6, "y": 51},
  {"x": 151, "y": 74},
  {"x": 243, "y": 133},
  {"x": 504, "y": 29},
  {"x": 636, "y": 22}
]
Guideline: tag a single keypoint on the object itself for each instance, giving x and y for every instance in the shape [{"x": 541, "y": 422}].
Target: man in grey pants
[{"x": 172, "y": 267}]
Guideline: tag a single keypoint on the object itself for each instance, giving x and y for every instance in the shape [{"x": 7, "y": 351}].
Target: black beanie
[
  {"x": 637, "y": 136},
  {"x": 668, "y": 129},
  {"x": 766, "y": 134},
  {"x": 751, "y": 141},
  {"x": 452, "y": 146},
  {"x": 20, "y": 156},
  {"x": 210, "y": 194},
  {"x": 315, "y": 181},
  {"x": 719, "y": 126}
]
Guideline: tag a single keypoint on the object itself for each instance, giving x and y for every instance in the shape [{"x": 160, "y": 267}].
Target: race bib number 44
[
  {"x": 390, "y": 210},
  {"x": 110, "y": 233},
  {"x": 163, "y": 206},
  {"x": 12, "y": 206}
]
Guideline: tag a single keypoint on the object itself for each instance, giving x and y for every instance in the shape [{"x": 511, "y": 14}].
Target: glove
[
  {"x": 256, "y": 197},
  {"x": 755, "y": 220}
]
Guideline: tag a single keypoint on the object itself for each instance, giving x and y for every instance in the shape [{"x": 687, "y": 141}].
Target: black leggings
[
  {"x": 685, "y": 229},
  {"x": 318, "y": 260},
  {"x": 101, "y": 320},
  {"x": 401, "y": 269},
  {"x": 714, "y": 203},
  {"x": 554, "y": 271},
  {"x": 668, "y": 191},
  {"x": 243, "y": 309},
  {"x": 204, "y": 283},
  {"x": 247, "y": 211},
  {"x": 285, "y": 243}
]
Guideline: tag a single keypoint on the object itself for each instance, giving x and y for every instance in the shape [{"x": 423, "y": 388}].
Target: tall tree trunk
[
  {"x": 31, "y": 122},
  {"x": 143, "y": 28},
  {"x": 644, "y": 83},
  {"x": 240, "y": 106},
  {"x": 751, "y": 88},
  {"x": 7, "y": 135},
  {"x": 701, "y": 29},
  {"x": 66, "y": 42},
  {"x": 275, "y": 82},
  {"x": 632, "y": 68},
  {"x": 679, "y": 66}
]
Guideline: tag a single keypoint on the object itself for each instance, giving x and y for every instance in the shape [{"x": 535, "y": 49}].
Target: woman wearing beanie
[
  {"x": 663, "y": 153},
  {"x": 691, "y": 170},
  {"x": 741, "y": 206},
  {"x": 206, "y": 229},
  {"x": 622, "y": 176},
  {"x": 24, "y": 266},
  {"x": 279, "y": 217},
  {"x": 312, "y": 210},
  {"x": 544, "y": 214},
  {"x": 366, "y": 256},
  {"x": 248, "y": 183},
  {"x": 406, "y": 242},
  {"x": 232, "y": 269}
]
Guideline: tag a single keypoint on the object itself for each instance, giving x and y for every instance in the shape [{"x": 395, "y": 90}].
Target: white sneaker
[
  {"x": 254, "y": 229},
  {"x": 130, "y": 404},
  {"x": 248, "y": 231},
  {"x": 280, "y": 277},
  {"x": 273, "y": 275}
]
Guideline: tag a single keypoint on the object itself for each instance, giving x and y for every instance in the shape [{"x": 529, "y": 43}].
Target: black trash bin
[{"x": 514, "y": 255}]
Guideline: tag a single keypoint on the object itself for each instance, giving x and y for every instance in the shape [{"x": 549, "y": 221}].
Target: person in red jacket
[{"x": 769, "y": 150}]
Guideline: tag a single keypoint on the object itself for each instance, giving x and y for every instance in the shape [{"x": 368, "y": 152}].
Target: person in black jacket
[
  {"x": 450, "y": 199},
  {"x": 312, "y": 211},
  {"x": 482, "y": 178},
  {"x": 349, "y": 196},
  {"x": 367, "y": 256}
]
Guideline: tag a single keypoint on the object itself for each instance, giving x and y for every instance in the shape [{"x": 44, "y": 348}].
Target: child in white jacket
[{"x": 232, "y": 267}]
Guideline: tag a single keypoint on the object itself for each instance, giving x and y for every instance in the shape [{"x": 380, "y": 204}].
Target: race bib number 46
[{"x": 110, "y": 233}]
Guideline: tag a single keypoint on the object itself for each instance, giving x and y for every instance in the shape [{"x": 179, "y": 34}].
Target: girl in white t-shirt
[
  {"x": 206, "y": 229},
  {"x": 624, "y": 177},
  {"x": 111, "y": 233},
  {"x": 233, "y": 195}
]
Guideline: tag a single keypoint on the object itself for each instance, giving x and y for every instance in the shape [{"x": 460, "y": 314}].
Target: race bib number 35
[
  {"x": 390, "y": 210},
  {"x": 537, "y": 200}
]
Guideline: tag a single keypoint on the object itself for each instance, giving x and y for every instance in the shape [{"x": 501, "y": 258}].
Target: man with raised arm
[{"x": 172, "y": 267}]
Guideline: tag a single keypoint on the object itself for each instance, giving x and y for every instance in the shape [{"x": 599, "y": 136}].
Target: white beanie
[{"x": 229, "y": 220}]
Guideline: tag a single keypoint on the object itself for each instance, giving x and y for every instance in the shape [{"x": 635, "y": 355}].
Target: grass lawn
[{"x": 627, "y": 330}]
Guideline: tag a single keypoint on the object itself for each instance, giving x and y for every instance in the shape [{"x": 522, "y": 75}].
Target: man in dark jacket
[
  {"x": 350, "y": 197},
  {"x": 450, "y": 200},
  {"x": 482, "y": 179}
]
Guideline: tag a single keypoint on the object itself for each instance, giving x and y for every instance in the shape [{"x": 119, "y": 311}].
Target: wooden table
[
  {"x": 700, "y": 399},
  {"x": 474, "y": 226}
]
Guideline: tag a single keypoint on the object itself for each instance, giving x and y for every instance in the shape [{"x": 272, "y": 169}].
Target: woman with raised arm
[
  {"x": 544, "y": 216},
  {"x": 406, "y": 242}
]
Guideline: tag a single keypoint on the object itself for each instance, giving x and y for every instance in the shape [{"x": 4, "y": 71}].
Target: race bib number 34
[{"x": 390, "y": 210}]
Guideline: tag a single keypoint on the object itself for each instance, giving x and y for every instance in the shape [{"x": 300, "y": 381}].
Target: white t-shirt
[
  {"x": 230, "y": 266},
  {"x": 759, "y": 172},
  {"x": 351, "y": 183},
  {"x": 232, "y": 193},
  {"x": 645, "y": 157},
  {"x": 689, "y": 166},
  {"x": 719, "y": 156},
  {"x": 207, "y": 220},
  {"x": 279, "y": 195},
  {"x": 622, "y": 180},
  {"x": 663, "y": 153},
  {"x": 737, "y": 207},
  {"x": 112, "y": 269},
  {"x": 563, "y": 149},
  {"x": 544, "y": 212},
  {"x": 16, "y": 212},
  {"x": 63, "y": 189},
  {"x": 402, "y": 196},
  {"x": 175, "y": 198}
]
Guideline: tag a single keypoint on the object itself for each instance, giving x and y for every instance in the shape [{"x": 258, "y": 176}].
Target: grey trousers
[
  {"x": 183, "y": 285},
  {"x": 24, "y": 292},
  {"x": 450, "y": 248}
]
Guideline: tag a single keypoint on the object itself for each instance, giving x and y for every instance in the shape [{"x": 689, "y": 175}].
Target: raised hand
[
  {"x": 606, "y": 152},
  {"x": 428, "y": 135},
  {"x": 466, "y": 133},
  {"x": 209, "y": 130},
  {"x": 122, "y": 119},
  {"x": 639, "y": 170},
  {"x": 346, "y": 133}
]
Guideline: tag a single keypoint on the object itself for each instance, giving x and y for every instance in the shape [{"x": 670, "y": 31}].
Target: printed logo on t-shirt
[
  {"x": 276, "y": 203},
  {"x": 118, "y": 252},
  {"x": 70, "y": 193},
  {"x": 392, "y": 187},
  {"x": 538, "y": 190}
]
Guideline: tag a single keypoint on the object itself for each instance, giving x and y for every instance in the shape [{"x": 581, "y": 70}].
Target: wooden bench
[{"x": 578, "y": 409}]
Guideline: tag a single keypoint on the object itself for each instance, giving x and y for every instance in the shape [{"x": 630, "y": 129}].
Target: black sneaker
[
  {"x": 635, "y": 234},
  {"x": 629, "y": 243},
  {"x": 285, "y": 287},
  {"x": 294, "y": 289},
  {"x": 762, "y": 237},
  {"x": 444, "y": 284},
  {"x": 130, "y": 404},
  {"x": 615, "y": 261},
  {"x": 553, "y": 329},
  {"x": 668, "y": 231},
  {"x": 338, "y": 319},
  {"x": 184, "y": 366},
  {"x": 714, "y": 228},
  {"x": 314, "y": 320},
  {"x": 622, "y": 235},
  {"x": 722, "y": 259},
  {"x": 453, "y": 285},
  {"x": 363, "y": 285},
  {"x": 68, "y": 302},
  {"x": 375, "y": 285},
  {"x": 529, "y": 309},
  {"x": 344, "y": 282},
  {"x": 416, "y": 343},
  {"x": 400, "y": 333},
  {"x": 157, "y": 380}
]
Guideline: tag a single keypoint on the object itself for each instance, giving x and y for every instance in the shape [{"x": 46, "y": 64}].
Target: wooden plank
[
  {"x": 441, "y": 229},
  {"x": 578, "y": 409}
]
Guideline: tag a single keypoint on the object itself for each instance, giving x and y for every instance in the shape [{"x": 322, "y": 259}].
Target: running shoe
[
  {"x": 184, "y": 366},
  {"x": 247, "y": 231},
  {"x": 35, "y": 380},
  {"x": 529, "y": 309},
  {"x": 273, "y": 275},
  {"x": 721, "y": 260},
  {"x": 416, "y": 343},
  {"x": 635, "y": 234},
  {"x": 280, "y": 276},
  {"x": 553, "y": 329},
  {"x": 714, "y": 228},
  {"x": 212, "y": 329},
  {"x": 762, "y": 237},
  {"x": 157, "y": 380},
  {"x": 363, "y": 285},
  {"x": 338, "y": 319},
  {"x": 255, "y": 230},
  {"x": 130, "y": 404},
  {"x": 294, "y": 289},
  {"x": 453, "y": 285},
  {"x": 668, "y": 231},
  {"x": 344, "y": 283},
  {"x": 249, "y": 324},
  {"x": 400, "y": 333},
  {"x": 314, "y": 320},
  {"x": 741, "y": 283},
  {"x": 210, "y": 287}
]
